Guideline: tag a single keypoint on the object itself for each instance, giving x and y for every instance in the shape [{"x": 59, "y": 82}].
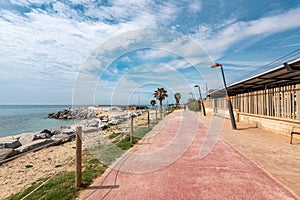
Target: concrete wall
[
  {"x": 274, "y": 124},
  {"x": 223, "y": 112},
  {"x": 277, "y": 125}
]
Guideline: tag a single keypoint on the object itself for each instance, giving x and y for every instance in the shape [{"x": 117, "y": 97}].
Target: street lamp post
[
  {"x": 201, "y": 101},
  {"x": 233, "y": 124}
]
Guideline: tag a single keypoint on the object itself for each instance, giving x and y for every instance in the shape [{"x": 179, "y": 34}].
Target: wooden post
[
  {"x": 131, "y": 129},
  {"x": 298, "y": 101},
  {"x": 293, "y": 102},
  {"x": 268, "y": 105},
  {"x": 78, "y": 178},
  {"x": 276, "y": 102},
  {"x": 148, "y": 119}
]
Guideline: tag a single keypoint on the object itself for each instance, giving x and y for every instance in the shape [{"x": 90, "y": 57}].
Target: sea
[{"x": 17, "y": 119}]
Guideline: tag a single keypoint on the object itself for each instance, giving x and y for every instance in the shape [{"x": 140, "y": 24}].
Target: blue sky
[{"x": 50, "y": 48}]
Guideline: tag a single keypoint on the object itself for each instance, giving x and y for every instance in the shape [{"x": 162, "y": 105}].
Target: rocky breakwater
[
  {"x": 15, "y": 145},
  {"x": 25, "y": 142},
  {"x": 74, "y": 113},
  {"x": 105, "y": 121}
]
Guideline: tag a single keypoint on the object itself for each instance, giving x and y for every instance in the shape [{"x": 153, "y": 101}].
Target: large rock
[
  {"x": 104, "y": 118},
  {"x": 34, "y": 145},
  {"x": 89, "y": 129},
  {"x": 43, "y": 135},
  {"x": 27, "y": 138},
  {"x": 91, "y": 115},
  {"x": 68, "y": 131},
  {"x": 55, "y": 132},
  {"x": 62, "y": 138},
  {"x": 10, "y": 144},
  {"x": 74, "y": 113},
  {"x": 62, "y": 114},
  {"x": 46, "y": 131},
  {"x": 114, "y": 121},
  {"x": 6, "y": 153},
  {"x": 93, "y": 124},
  {"x": 103, "y": 126}
]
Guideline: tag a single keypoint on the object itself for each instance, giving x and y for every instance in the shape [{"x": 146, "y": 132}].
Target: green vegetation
[
  {"x": 114, "y": 135},
  {"x": 160, "y": 94},
  {"x": 153, "y": 102},
  {"x": 62, "y": 185},
  {"x": 170, "y": 110},
  {"x": 92, "y": 169},
  {"x": 125, "y": 144},
  {"x": 17, "y": 152},
  {"x": 177, "y": 97},
  {"x": 28, "y": 166}
]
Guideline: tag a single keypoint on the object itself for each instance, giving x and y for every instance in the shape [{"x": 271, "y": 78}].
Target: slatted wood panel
[{"x": 281, "y": 102}]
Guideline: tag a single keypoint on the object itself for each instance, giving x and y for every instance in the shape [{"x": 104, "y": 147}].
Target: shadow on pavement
[
  {"x": 247, "y": 128},
  {"x": 102, "y": 187}
]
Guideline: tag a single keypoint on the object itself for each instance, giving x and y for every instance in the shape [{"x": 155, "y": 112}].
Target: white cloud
[
  {"x": 218, "y": 39},
  {"x": 292, "y": 45},
  {"x": 195, "y": 6},
  {"x": 178, "y": 64},
  {"x": 115, "y": 71},
  {"x": 150, "y": 54},
  {"x": 244, "y": 63}
]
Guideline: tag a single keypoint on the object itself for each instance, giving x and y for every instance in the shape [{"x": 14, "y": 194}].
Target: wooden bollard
[
  {"x": 78, "y": 177},
  {"x": 148, "y": 119},
  {"x": 131, "y": 129}
]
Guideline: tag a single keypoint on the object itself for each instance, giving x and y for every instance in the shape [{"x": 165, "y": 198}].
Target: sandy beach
[{"x": 16, "y": 175}]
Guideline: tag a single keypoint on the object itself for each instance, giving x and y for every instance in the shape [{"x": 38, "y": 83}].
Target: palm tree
[
  {"x": 153, "y": 102},
  {"x": 177, "y": 97},
  {"x": 160, "y": 94}
]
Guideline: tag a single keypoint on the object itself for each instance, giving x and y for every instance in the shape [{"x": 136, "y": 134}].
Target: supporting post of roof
[
  {"x": 287, "y": 66},
  {"x": 298, "y": 101}
]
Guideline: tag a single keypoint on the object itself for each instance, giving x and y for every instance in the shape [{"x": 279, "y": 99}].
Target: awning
[{"x": 286, "y": 74}]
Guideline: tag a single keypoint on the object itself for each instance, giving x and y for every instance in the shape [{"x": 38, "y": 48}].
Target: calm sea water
[{"x": 16, "y": 119}]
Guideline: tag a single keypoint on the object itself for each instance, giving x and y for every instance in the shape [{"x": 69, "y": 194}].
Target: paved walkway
[
  {"x": 271, "y": 151},
  {"x": 170, "y": 165}
]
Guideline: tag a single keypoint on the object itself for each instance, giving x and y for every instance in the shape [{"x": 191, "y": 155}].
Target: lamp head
[
  {"x": 196, "y": 85},
  {"x": 216, "y": 65}
]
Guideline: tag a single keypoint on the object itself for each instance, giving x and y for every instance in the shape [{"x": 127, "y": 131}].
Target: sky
[{"x": 119, "y": 52}]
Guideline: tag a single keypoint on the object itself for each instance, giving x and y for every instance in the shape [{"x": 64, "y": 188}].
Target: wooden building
[{"x": 270, "y": 100}]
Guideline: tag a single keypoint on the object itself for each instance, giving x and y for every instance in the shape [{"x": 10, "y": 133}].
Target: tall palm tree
[
  {"x": 153, "y": 102},
  {"x": 177, "y": 97},
  {"x": 160, "y": 94}
]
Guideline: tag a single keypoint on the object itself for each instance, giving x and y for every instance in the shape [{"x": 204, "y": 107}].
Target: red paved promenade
[{"x": 168, "y": 166}]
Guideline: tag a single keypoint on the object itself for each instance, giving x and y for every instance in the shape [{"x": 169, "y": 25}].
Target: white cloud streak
[{"x": 217, "y": 41}]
